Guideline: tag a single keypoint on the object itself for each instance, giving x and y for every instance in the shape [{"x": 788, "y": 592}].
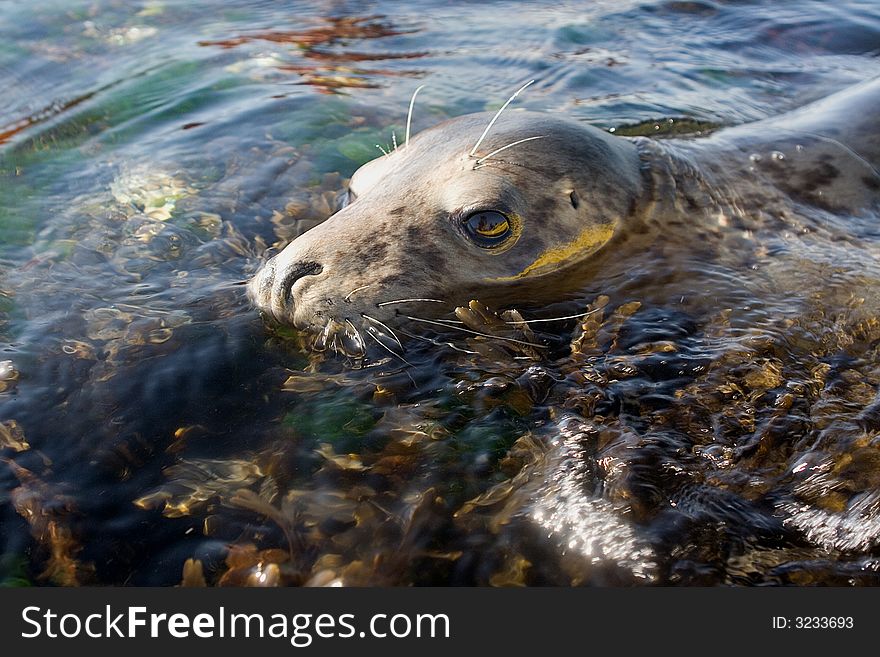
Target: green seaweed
[
  {"x": 13, "y": 571},
  {"x": 340, "y": 420},
  {"x": 666, "y": 127}
]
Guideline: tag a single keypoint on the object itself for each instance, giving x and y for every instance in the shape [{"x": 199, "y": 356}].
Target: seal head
[{"x": 434, "y": 220}]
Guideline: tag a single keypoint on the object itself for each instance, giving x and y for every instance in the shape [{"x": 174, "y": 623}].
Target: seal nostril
[{"x": 296, "y": 272}]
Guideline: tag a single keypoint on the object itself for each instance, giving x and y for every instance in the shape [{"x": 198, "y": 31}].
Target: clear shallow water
[{"x": 723, "y": 431}]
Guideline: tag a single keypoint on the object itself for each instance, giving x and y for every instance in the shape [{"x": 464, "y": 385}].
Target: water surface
[{"x": 715, "y": 422}]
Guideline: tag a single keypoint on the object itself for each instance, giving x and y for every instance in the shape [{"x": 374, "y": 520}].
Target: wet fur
[{"x": 399, "y": 238}]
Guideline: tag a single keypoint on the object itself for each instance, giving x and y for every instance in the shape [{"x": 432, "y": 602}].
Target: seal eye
[{"x": 487, "y": 228}]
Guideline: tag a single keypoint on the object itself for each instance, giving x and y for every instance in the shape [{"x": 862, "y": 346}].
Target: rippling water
[{"x": 715, "y": 422}]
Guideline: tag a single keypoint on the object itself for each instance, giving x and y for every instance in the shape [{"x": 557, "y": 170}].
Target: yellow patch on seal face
[{"x": 587, "y": 242}]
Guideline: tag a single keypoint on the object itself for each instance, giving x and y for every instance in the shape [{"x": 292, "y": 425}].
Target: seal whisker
[
  {"x": 554, "y": 319},
  {"x": 394, "y": 140},
  {"x": 386, "y": 327},
  {"x": 388, "y": 349},
  {"x": 384, "y": 152},
  {"x": 452, "y": 322},
  {"x": 495, "y": 118},
  {"x": 484, "y": 335},
  {"x": 437, "y": 343},
  {"x": 504, "y": 148},
  {"x": 412, "y": 102},
  {"x": 348, "y": 296},
  {"x": 388, "y": 303}
]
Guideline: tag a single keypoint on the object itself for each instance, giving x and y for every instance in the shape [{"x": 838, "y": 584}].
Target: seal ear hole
[{"x": 575, "y": 199}]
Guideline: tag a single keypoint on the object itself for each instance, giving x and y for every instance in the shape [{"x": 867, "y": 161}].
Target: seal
[{"x": 522, "y": 206}]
